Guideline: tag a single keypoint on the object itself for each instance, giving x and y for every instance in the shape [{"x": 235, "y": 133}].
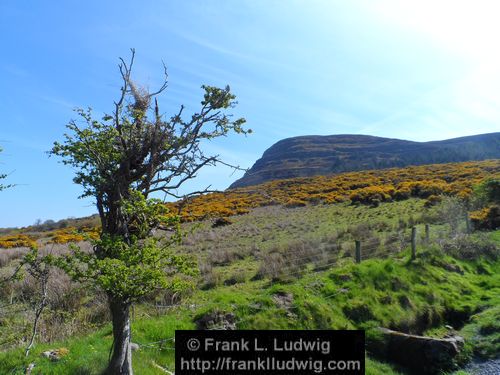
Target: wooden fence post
[
  {"x": 358, "y": 251},
  {"x": 427, "y": 234},
  {"x": 467, "y": 223},
  {"x": 413, "y": 243}
]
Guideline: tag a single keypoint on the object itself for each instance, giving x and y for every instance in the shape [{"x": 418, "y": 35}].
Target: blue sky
[{"x": 421, "y": 70}]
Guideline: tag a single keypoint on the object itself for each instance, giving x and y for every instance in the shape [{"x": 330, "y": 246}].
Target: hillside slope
[{"x": 308, "y": 156}]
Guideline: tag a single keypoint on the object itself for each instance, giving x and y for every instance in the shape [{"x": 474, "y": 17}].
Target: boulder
[{"x": 427, "y": 355}]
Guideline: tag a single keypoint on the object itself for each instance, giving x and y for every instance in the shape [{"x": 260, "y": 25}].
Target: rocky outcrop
[{"x": 308, "y": 156}]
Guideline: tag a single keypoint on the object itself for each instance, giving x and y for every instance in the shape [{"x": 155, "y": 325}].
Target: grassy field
[{"x": 288, "y": 268}]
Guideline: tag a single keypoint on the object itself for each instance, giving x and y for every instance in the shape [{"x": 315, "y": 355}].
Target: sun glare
[{"x": 467, "y": 28}]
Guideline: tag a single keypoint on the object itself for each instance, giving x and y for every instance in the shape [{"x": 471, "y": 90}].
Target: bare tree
[{"x": 120, "y": 160}]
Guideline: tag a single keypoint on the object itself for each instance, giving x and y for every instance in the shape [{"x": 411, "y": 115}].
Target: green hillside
[{"x": 282, "y": 268}]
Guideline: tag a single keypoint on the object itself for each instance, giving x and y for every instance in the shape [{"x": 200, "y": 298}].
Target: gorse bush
[
  {"x": 59, "y": 236},
  {"x": 17, "y": 240},
  {"x": 69, "y": 235},
  {"x": 431, "y": 182},
  {"x": 373, "y": 194},
  {"x": 369, "y": 187},
  {"x": 487, "y": 218},
  {"x": 487, "y": 202}
]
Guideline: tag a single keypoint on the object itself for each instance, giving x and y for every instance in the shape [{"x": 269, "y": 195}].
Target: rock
[
  {"x": 134, "y": 346},
  {"x": 285, "y": 301},
  {"x": 427, "y": 355},
  {"x": 55, "y": 354},
  {"x": 217, "y": 320}
]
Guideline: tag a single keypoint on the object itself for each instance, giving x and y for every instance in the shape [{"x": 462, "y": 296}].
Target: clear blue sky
[{"x": 421, "y": 70}]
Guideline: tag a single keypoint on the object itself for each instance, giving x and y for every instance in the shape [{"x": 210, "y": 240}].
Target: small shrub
[
  {"x": 452, "y": 212},
  {"x": 488, "y": 191},
  {"x": 372, "y": 195},
  {"x": 210, "y": 280},
  {"x": 97, "y": 311},
  {"x": 470, "y": 247},
  {"x": 432, "y": 201},
  {"x": 271, "y": 266},
  {"x": 11, "y": 254},
  {"x": 360, "y": 231},
  {"x": 221, "y": 222},
  {"x": 487, "y": 218},
  {"x": 402, "y": 194},
  {"x": 236, "y": 278},
  {"x": 222, "y": 256},
  {"x": 293, "y": 203}
]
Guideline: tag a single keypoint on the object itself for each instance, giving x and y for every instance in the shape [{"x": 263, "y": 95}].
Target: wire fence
[
  {"x": 301, "y": 261},
  {"x": 389, "y": 245}
]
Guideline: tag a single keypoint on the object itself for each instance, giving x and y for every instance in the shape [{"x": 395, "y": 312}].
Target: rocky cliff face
[{"x": 325, "y": 155}]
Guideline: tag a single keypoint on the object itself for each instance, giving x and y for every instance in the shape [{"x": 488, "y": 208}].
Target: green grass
[
  {"x": 392, "y": 293},
  {"x": 374, "y": 367},
  {"x": 484, "y": 331}
]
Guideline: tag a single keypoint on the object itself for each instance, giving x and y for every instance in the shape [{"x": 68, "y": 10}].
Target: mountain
[{"x": 313, "y": 155}]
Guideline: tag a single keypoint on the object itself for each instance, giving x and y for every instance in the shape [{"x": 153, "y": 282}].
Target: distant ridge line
[{"x": 313, "y": 155}]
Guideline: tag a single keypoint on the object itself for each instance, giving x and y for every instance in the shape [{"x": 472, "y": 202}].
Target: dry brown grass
[
  {"x": 9, "y": 255},
  {"x": 289, "y": 261},
  {"x": 72, "y": 308}
]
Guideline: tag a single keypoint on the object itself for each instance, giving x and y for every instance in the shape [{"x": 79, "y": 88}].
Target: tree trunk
[{"x": 121, "y": 359}]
